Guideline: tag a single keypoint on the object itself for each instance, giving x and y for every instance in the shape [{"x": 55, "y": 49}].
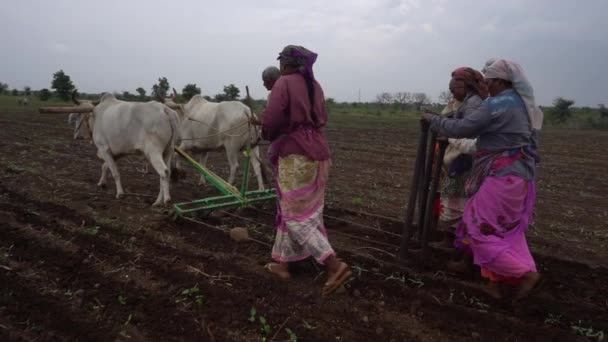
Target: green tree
[
  {"x": 561, "y": 110},
  {"x": 126, "y": 96},
  {"x": 231, "y": 93},
  {"x": 445, "y": 97},
  {"x": 603, "y": 111},
  {"x": 141, "y": 93},
  {"x": 27, "y": 91},
  {"x": 161, "y": 88},
  {"x": 62, "y": 84},
  {"x": 15, "y": 92},
  {"x": 190, "y": 90},
  {"x": 3, "y": 87},
  {"x": 44, "y": 94}
]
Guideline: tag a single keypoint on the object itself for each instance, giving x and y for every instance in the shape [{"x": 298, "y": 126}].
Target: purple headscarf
[{"x": 300, "y": 57}]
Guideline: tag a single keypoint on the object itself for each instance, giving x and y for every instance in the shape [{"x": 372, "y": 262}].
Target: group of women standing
[{"x": 488, "y": 207}]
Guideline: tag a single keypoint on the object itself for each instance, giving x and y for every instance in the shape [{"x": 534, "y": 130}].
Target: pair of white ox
[{"x": 118, "y": 128}]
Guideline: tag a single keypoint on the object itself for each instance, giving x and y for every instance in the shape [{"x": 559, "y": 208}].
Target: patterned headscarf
[
  {"x": 472, "y": 79},
  {"x": 488, "y": 63},
  {"x": 300, "y": 57},
  {"x": 514, "y": 73}
]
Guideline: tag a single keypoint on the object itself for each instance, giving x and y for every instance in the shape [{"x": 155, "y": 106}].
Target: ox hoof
[
  {"x": 119, "y": 195},
  {"x": 102, "y": 186},
  {"x": 160, "y": 204}
]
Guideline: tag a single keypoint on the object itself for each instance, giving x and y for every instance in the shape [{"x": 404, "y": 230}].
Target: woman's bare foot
[
  {"x": 460, "y": 266},
  {"x": 493, "y": 290},
  {"x": 339, "y": 272},
  {"x": 280, "y": 270},
  {"x": 528, "y": 282}
]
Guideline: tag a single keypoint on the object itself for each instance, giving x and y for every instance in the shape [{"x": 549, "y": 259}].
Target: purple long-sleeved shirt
[{"x": 287, "y": 121}]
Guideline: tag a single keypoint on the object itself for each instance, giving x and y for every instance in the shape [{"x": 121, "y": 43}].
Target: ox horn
[
  {"x": 75, "y": 97},
  {"x": 174, "y": 94}
]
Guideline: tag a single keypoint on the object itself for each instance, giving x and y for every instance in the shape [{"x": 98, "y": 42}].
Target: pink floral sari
[{"x": 301, "y": 196}]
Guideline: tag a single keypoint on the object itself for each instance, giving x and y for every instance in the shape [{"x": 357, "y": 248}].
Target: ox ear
[{"x": 75, "y": 97}]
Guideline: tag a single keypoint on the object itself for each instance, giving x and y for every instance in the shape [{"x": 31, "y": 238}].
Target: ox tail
[
  {"x": 175, "y": 131},
  {"x": 174, "y": 142},
  {"x": 254, "y": 131}
]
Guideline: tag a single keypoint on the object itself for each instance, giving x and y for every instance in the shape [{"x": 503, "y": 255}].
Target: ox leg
[
  {"x": 163, "y": 171},
  {"x": 203, "y": 161},
  {"x": 104, "y": 176},
  {"x": 233, "y": 160},
  {"x": 257, "y": 168},
  {"x": 111, "y": 164}
]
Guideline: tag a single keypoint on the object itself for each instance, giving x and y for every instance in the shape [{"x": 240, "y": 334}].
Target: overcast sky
[{"x": 371, "y": 45}]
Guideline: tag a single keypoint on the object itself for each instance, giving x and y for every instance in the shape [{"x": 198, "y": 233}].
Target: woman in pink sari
[
  {"x": 501, "y": 187},
  {"x": 293, "y": 122}
]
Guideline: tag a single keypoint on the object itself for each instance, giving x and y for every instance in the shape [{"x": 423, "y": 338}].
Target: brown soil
[{"x": 78, "y": 264}]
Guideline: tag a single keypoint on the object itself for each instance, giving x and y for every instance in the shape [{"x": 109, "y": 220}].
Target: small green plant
[
  {"x": 417, "y": 282},
  {"x": 122, "y": 300},
  {"x": 265, "y": 327},
  {"x": 308, "y": 325},
  {"x": 292, "y": 336},
  {"x": 12, "y": 168},
  {"x": 252, "y": 315},
  {"x": 357, "y": 200},
  {"x": 580, "y": 329},
  {"x": 553, "y": 319},
  {"x": 396, "y": 277},
  {"x": 91, "y": 230},
  {"x": 194, "y": 294}
]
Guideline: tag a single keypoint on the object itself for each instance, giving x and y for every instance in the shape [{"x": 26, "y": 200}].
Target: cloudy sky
[{"x": 371, "y": 45}]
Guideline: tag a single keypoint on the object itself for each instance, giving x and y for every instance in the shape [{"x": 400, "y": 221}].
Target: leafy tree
[
  {"x": 127, "y": 96},
  {"x": 603, "y": 111},
  {"x": 190, "y": 90},
  {"x": 141, "y": 93},
  {"x": 44, "y": 94},
  {"x": 27, "y": 91},
  {"x": 420, "y": 99},
  {"x": 384, "y": 98},
  {"x": 62, "y": 84},
  {"x": 15, "y": 92},
  {"x": 445, "y": 97},
  {"x": 402, "y": 99},
  {"x": 231, "y": 93},
  {"x": 3, "y": 87},
  {"x": 161, "y": 88},
  {"x": 561, "y": 110}
]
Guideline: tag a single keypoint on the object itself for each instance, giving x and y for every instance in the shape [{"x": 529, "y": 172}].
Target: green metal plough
[{"x": 232, "y": 197}]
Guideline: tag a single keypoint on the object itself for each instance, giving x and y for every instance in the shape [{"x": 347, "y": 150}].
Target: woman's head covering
[
  {"x": 472, "y": 79},
  {"x": 514, "y": 73},
  {"x": 300, "y": 57},
  {"x": 488, "y": 63}
]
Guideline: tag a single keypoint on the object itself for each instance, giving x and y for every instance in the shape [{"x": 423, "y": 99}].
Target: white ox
[
  {"x": 23, "y": 101},
  {"x": 119, "y": 128},
  {"x": 81, "y": 126},
  {"x": 208, "y": 126}
]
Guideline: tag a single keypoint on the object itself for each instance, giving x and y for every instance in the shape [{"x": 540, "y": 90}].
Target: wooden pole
[
  {"x": 426, "y": 182},
  {"x": 428, "y": 218},
  {"x": 414, "y": 187},
  {"x": 64, "y": 110}
]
